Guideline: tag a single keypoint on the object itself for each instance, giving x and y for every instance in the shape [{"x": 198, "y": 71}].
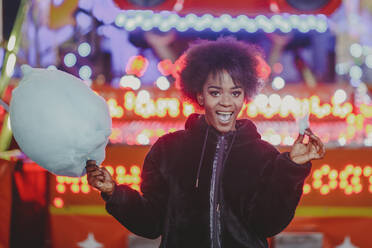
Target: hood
[{"x": 246, "y": 129}]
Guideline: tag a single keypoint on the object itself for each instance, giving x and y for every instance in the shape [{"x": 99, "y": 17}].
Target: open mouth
[{"x": 224, "y": 116}]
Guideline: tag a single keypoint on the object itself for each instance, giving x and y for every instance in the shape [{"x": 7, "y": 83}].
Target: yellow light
[
  {"x": 75, "y": 180},
  {"x": 366, "y": 110},
  {"x": 174, "y": 108},
  {"x": 61, "y": 188},
  {"x": 367, "y": 171},
  {"x": 159, "y": 132},
  {"x": 135, "y": 170},
  {"x": 115, "y": 110},
  {"x": 135, "y": 187},
  {"x": 85, "y": 188},
  {"x": 68, "y": 180},
  {"x": 343, "y": 175},
  {"x": 110, "y": 169},
  {"x": 75, "y": 188},
  {"x": 60, "y": 179},
  {"x": 333, "y": 184},
  {"x": 357, "y": 171},
  {"x": 317, "y": 184},
  {"x": 370, "y": 180},
  {"x": 350, "y": 119},
  {"x": 120, "y": 179},
  {"x": 355, "y": 180},
  {"x": 317, "y": 174},
  {"x": 129, "y": 100},
  {"x": 343, "y": 184},
  {"x": 136, "y": 180},
  {"x": 120, "y": 170},
  {"x": 348, "y": 190},
  {"x": 325, "y": 169},
  {"x": 252, "y": 110},
  {"x": 306, "y": 189},
  {"x": 84, "y": 180},
  {"x": 324, "y": 190},
  {"x": 161, "y": 106},
  {"x": 188, "y": 109},
  {"x": 58, "y": 202},
  {"x": 359, "y": 122},
  {"x": 370, "y": 188},
  {"x": 128, "y": 179},
  {"x": 333, "y": 175},
  {"x": 349, "y": 169},
  {"x": 357, "y": 188}
]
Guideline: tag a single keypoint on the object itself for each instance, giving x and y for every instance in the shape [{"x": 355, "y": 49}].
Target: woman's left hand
[{"x": 302, "y": 153}]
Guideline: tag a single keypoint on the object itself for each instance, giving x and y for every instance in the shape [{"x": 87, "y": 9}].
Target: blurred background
[{"x": 319, "y": 56}]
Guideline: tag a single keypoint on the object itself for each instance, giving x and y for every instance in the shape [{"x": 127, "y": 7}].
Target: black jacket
[{"x": 259, "y": 189}]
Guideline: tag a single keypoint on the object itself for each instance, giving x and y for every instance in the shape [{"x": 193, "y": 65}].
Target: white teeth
[
  {"x": 224, "y": 112},
  {"x": 224, "y": 116}
]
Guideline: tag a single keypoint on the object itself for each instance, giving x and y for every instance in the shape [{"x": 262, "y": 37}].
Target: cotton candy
[
  {"x": 303, "y": 123},
  {"x": 58, "y": 121}
]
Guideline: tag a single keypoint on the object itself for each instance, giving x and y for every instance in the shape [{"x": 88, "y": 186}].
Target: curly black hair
[{"x": 205, "y": 57}]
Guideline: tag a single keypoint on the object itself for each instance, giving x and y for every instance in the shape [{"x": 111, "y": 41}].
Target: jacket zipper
[{"x": 216, "y": 177}]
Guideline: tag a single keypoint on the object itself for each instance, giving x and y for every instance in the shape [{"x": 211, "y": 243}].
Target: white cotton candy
[
  {"x": 58, "y": 121},
  {"x": 303, "y": 123}
]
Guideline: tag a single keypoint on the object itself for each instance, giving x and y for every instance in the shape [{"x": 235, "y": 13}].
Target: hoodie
[{"x": 201, "y": 188}]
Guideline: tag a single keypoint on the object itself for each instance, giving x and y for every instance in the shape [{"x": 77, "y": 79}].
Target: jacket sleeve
[
  {"x": 142, "y": 214},
  {"x": 280, "y": 190}
]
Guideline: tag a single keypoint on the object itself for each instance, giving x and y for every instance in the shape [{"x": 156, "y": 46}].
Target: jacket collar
[{"x": 246, "y": 130}]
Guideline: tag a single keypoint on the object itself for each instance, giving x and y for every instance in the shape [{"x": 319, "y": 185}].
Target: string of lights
[{"x": 165, "y": 21}]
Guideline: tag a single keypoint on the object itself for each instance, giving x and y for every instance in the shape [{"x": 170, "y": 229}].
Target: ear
[{"x": 200, "y": 99}]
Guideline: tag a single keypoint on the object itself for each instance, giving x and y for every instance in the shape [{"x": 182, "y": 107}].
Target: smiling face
[{"x": 222, "y": 101}]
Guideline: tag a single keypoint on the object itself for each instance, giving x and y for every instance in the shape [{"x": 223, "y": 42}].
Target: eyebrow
[{"x": 217, "y": 87}]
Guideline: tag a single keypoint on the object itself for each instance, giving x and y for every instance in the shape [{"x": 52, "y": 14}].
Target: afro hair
[{"x": 205, "y": 58}]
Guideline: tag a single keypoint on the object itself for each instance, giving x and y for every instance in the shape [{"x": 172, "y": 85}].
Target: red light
[
  {"x": 137, "y": 65},
  {"x": 58, "y": 202},
  {"x": 165, "y": 67}
]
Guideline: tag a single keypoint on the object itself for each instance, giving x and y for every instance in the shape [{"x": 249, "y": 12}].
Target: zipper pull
[{"x": 218, "y": 207}]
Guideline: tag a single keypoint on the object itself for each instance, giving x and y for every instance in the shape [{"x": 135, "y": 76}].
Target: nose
[{"x": 225, "y": 100}]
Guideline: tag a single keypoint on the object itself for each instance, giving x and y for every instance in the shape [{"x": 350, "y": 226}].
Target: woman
[{"x": 216, "y": 183}]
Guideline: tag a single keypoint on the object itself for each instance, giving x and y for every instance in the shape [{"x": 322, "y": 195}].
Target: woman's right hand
[{"x": 99, "y": 178}]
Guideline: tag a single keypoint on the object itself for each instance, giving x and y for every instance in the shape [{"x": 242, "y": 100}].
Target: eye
[
  {"x": 214, "y": 93},
  {"x": 236, "y": 93}
]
